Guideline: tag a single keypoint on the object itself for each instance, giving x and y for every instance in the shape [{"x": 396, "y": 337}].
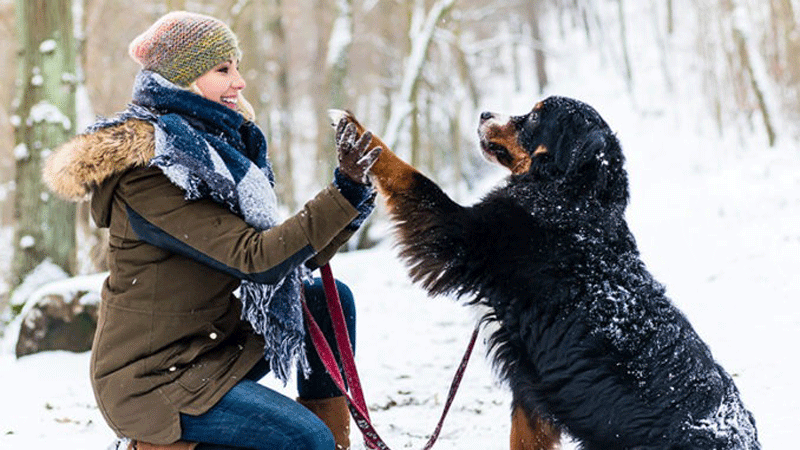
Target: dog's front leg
[
  {"x": 432, "y": 228},
  {"x": 392, "y": 175}
]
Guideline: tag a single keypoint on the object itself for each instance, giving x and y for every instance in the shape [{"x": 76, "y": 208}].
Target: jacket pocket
[{"x": 209, "y": 367}]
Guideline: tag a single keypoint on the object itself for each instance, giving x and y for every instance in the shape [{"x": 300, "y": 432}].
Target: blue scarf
[{"x": 211, "y": 151}]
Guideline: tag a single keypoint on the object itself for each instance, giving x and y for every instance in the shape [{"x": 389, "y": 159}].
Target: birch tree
[
  {"x": 750, "y": 60},
  {"x": 333, "y": 93},
  {"x": 623, "y": 36},
  {"x": 283, "y": 135},
  {"x": 788, "y": 40},
  {"x": 44, "y": 118},
  {"x": 534, "y": 12},
  {"x": 421, "y": 31}
]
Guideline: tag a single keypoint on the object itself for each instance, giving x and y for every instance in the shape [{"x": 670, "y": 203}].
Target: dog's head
[{"x": 560, "y": 139}]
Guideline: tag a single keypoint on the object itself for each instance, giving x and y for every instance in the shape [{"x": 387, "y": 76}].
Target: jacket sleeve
[
  {"x": 362, "y": 197},
  {"x": 209, "y": 233}
]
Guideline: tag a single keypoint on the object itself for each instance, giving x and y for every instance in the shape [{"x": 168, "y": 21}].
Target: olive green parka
[{"x": 170, "y": 338}]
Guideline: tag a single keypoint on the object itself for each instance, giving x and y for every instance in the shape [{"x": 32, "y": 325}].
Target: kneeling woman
[{"x": 182, "y": 181}]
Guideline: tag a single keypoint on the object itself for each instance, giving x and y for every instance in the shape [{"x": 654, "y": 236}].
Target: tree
[
  {"x": 334, "y": 43},
  {"x": 534, "y": 12},
  {"x": 44, "y": 118},
  {"x": 282, "y": 155},
  {"x": 752, "y": 65},
  {"x": 422, "y": 27}
]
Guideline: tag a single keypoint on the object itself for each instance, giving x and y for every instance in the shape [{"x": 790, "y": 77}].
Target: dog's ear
[
  {"x": 576, "y": 155},
  {"x": 595, "y": 163}
]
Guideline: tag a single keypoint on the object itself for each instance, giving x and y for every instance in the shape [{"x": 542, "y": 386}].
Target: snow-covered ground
[{"x": 716, "y": 222}]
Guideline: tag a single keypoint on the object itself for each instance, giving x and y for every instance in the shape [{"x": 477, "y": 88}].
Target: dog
[{"x": 586, "y": 338}]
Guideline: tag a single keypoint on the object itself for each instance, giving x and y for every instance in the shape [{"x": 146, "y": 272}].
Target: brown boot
[
  {"x": 180, "y": 445},
  {"x": 335, "y": 414}
]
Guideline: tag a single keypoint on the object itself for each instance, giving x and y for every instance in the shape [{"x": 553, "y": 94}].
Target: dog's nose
[{"x": 486, "y": 115}]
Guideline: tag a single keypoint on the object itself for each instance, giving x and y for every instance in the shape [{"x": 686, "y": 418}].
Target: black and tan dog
[{"x": 587, "y": 340}]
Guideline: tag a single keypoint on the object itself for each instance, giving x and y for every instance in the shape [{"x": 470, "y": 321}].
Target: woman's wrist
[{"x": 361, "y": 196}]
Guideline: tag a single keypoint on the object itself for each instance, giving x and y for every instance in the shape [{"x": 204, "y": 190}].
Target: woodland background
[{"x": 416, "y": 71}]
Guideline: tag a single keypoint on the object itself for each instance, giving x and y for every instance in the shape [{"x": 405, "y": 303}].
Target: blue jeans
[{"x": 255, "y": 417}]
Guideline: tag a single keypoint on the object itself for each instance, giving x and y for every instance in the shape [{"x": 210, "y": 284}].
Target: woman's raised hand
[{"x": 355, "y": 157}]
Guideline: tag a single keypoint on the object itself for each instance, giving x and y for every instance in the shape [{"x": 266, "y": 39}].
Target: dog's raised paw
[{"x": 336, "y": 115}]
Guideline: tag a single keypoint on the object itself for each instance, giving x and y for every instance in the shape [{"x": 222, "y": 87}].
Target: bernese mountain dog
[{"x": 587, "y": 340}]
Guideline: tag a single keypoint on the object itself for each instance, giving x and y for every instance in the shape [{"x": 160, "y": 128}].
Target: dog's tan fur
[
  {"x": 391, "y": 174},
  {"x": 532, "y": 433},
  {"x": 393, "y": 178}
]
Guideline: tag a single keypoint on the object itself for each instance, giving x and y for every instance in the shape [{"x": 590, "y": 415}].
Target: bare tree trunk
[
  {"x": 663, "y": 43},
  {"x": 45, "y": 225},
  {"x": 421, "y": 39},
  {"x": 325, "y": 159},
  {"x": 414, "y": 145},
  {"x": 337, "y": 67},
  {"x": 457, "y": 151},
  {"x": 756, "y": 73},
  {"x": 284, "y": 175},
  {"x": 623, "y": 31},
  {"x": 339, "y": 44},
  {"x": 540, "y": 56},
  {"x": 670, "y": 18},
  {"x": 757, "y": 81},
  {"x": 791, "y": 47}
]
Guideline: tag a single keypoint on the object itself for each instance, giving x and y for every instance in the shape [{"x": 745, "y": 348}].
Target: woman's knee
[
  {"x": 315, "y": 296},
  {"x": 348, "y": 303},
  {"x": 314, "y": 436}
]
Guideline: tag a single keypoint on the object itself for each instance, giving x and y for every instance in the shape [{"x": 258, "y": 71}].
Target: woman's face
[{"x": 222, "y": 84}]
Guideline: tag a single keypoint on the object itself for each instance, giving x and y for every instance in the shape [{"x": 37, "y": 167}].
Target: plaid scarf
[{"x": 211, "y": 151}]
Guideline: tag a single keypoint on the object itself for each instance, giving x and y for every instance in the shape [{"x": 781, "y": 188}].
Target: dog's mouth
[
  {"x": 501, "y": 147},
  {"x": 495, "y": 153}
]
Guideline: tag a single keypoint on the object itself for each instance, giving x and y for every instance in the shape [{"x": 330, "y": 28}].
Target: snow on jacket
[{"x": 170, "y": 338}]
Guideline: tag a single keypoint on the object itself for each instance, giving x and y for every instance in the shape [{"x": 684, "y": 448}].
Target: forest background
[
  {"x": 703, "y": 94},
  {"x": 416, "y": 71}
]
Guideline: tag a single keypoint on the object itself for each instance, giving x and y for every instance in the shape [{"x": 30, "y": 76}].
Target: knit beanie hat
[{"x": 181, "y": 46}]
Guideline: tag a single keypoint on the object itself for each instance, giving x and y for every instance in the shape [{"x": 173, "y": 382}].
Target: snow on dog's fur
[{"x": 586, "y": 338}]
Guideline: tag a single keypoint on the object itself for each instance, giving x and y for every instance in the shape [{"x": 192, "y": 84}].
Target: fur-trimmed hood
[
  {"x": 80, "y": 166},
  {"x": 77, "y": 167}
]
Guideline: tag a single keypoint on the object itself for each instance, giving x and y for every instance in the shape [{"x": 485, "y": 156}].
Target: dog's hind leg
[{"x": 531, "y": 432}]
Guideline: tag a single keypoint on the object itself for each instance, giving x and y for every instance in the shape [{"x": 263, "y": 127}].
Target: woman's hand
[{"x": 354, "y": 159}]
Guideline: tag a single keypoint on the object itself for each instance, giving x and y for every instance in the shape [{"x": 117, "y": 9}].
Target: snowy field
[{"x": 717, "y": 222}]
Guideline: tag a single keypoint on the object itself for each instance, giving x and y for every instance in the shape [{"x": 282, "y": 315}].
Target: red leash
[{"x": 358, "y": 407}]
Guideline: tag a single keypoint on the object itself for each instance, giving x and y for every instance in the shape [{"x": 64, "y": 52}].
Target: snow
[
  {"x": 48, "y": 46},
  {"x": 715, "y": 217},
  {"x": 21, "y": 152},
  {"x": 27, "y": 241},
  {"x": 45, "y": 281},
  {"x": 341, "y": 35},
  {"x": 420, "y": 36},
  {"x": 47, "y": 112},
  {"x": 720, "y": 232}
]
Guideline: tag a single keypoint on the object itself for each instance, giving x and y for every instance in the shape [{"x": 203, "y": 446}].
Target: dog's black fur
[{"x": 586, "y": 338}]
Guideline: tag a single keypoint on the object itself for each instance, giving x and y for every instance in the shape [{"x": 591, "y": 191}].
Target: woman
[{"x": 182, "y": 181}]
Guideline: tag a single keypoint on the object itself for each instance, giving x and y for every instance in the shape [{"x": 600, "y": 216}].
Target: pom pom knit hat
[{"x": 181, "y": 46}]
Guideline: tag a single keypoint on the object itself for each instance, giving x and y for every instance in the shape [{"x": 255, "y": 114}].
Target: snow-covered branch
[{"x": 421, "y": 37}]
